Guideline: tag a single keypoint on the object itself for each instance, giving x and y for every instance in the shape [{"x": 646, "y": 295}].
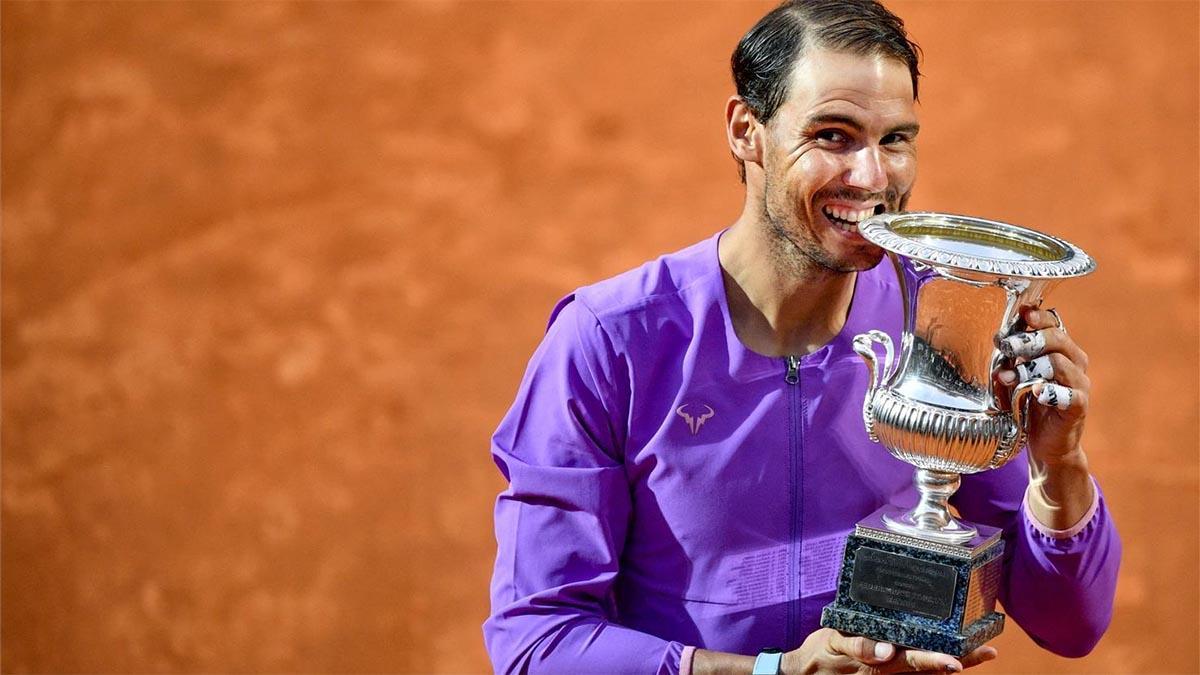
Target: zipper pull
[{"x": 793, "y": 373}]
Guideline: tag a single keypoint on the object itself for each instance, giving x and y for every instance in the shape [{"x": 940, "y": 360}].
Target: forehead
[{"x": 876, "y": 90}]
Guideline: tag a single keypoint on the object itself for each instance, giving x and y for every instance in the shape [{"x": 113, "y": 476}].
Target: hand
[
  {"x": 1046, "y": 350},
  {"x": 1060, "y": 486},
  {"x": 828, "y": 651}
]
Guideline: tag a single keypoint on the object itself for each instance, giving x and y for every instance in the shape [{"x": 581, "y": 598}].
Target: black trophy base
[
  {"x": 954, "y": 643},
  {"x": 918, "y": 593}
]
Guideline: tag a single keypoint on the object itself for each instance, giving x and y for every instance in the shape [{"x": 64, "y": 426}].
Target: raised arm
[{"x": 1063, "y": 552}]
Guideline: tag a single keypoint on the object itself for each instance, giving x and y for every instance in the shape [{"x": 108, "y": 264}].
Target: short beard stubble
[{"x": 806, "y": 257}]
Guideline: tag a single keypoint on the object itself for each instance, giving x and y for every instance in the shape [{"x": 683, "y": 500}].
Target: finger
[
  {"x": 1057, "y": 340},
  {"x": 861, "y": 648},
  {"x": 1047, "y": 340},
  {"x": 1056, "y": 367},
  {"x": 1041, "y": 367},
  {"x": 981, "y": 655},
  {"x": 1061, "y": 397},
  {"x": 1037, "y": 319},
  {"x": 920, "y": 661},
  {"x": 1068, "y": 373},
  {"x": 1024, "y": 345}
]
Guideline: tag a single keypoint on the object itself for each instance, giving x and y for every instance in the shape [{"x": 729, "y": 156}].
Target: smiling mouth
[{"x": 847, "y": 219}]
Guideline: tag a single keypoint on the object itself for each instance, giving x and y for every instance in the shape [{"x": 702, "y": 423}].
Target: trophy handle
[
  {"x": 1020, "y": 413},
  {"x": 864, "y": 346}
]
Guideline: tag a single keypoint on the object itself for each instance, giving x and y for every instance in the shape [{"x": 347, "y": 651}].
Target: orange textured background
[{"x": 272, "y": 271}]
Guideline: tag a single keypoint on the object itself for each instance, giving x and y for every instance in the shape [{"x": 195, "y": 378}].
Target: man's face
[{"x": 841, "y": 148}]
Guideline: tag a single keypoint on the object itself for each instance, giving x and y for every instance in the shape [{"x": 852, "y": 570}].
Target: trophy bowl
[
  {"x": 920, "y": 577},
  {"x": 963, "y": 282}
]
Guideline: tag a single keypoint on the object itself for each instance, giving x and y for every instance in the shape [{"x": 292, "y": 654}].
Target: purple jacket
[{"x": 671, "y": 488}]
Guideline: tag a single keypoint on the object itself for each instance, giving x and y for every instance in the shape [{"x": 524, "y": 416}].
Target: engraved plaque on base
[{"x": 918, "y": 593}]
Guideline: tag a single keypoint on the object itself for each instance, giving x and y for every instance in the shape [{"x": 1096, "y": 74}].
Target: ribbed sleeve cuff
[{"x": 685, "y": 661}]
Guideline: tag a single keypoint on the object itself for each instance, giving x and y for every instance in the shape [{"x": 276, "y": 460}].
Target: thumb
[{"x": 861, "y": 648}]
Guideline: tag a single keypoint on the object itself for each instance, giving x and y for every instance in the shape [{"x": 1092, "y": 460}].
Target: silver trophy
[{"x": 920, "y": 577}]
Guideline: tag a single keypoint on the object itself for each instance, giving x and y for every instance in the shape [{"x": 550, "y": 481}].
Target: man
[{"x": 686, "y": 452}]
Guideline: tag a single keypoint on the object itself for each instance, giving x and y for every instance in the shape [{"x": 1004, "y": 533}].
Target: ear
[{"x": 743, "y": 131}]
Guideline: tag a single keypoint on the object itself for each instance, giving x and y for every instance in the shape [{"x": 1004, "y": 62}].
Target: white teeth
[{"x": 852, "y": 216}]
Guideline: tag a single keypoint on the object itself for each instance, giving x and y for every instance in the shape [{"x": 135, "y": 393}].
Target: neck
[{"x": 781, "y": 303}]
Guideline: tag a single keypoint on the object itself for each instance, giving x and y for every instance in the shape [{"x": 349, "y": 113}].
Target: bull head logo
[{"x": 694, "y": 423}]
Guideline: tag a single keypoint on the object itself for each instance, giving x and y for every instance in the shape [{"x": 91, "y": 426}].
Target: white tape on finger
[
  {"x": 1055, "y": 396},
  {"x": 1023, "y": 345},
  {"x": 1039, "y": 367}
]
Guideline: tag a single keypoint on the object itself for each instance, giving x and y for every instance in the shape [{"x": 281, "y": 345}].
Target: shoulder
[{"x": 648, "y": 289}]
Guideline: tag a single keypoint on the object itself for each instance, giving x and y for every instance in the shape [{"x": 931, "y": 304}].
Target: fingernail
[
  {"x": 1023, "y": 345},
  {"x": 953, "y": 668},
  {"x": 1008, "y": 377},
  {"x": 883, "y": 650}
]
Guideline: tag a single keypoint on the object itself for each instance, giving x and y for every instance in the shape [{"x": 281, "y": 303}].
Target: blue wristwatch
[{"x": 768, "y": 662}]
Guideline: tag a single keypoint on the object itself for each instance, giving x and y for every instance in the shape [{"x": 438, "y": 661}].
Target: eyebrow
[{"x": 846, "y": 120}]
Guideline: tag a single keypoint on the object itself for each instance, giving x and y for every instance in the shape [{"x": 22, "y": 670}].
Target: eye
[
  {"x": 895, "y": 139},
  {"x": 832, "y": 136}
]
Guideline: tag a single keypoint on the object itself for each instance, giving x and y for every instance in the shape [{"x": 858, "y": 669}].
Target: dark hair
[{"x": 763, "y": 60}]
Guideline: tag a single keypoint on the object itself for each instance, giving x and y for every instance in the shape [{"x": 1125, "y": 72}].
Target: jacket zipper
[
  {"x": 793, "y": 370},
  {"x": 792, "y": 378}
]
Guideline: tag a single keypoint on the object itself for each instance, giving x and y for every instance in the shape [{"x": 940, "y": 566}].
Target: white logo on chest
[{"x": 694, "y": 422}]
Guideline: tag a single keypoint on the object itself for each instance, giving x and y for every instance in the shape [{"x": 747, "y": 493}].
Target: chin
[
  {"x": 871, "y": 259},
  {"x": 858, "y": 262}
]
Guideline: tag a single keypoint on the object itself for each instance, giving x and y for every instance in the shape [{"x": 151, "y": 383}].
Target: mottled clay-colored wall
[{"x": 271, "y": 272}]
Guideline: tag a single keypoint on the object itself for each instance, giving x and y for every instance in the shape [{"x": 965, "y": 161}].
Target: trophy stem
[{"x": 931, "y": 519}]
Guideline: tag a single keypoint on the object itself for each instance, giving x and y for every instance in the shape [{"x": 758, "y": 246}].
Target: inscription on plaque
[{"x": 903, "y": 583}]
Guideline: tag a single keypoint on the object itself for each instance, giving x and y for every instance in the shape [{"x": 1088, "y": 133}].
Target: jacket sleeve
[
  {"x": 1058, "y": 588},
  {"x": 562, "y": 522}
]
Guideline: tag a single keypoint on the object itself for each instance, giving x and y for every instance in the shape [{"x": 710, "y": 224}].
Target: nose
[{"x": 866, "y": 170}]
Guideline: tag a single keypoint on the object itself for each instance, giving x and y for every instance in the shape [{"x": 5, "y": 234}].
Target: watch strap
[{"x": 768, "y": 662}]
